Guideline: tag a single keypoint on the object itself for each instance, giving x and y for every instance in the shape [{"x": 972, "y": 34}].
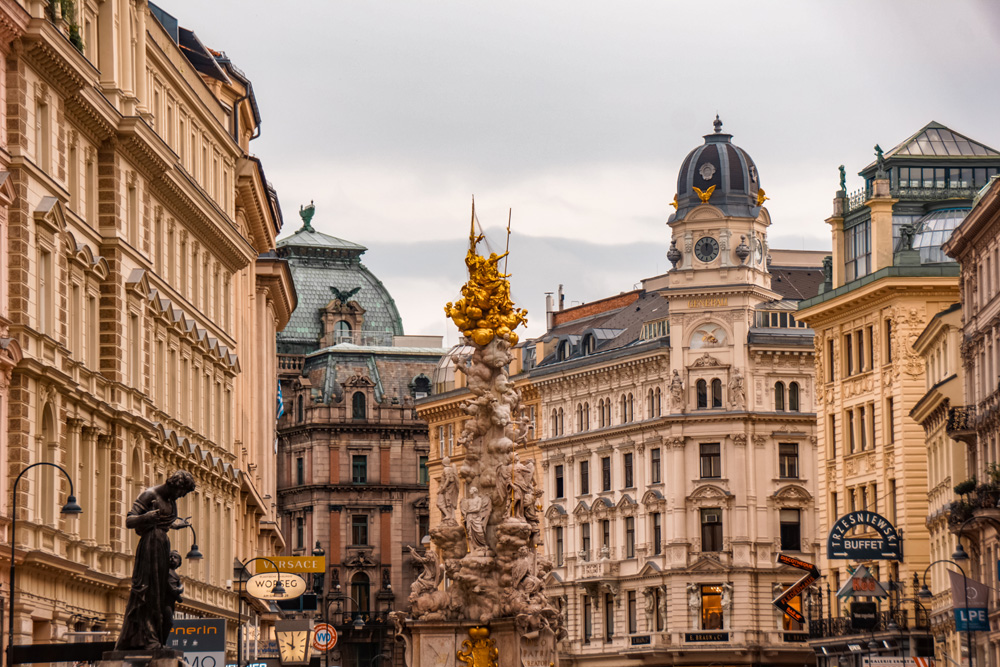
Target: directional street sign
[{"x": 783, "y": 601}]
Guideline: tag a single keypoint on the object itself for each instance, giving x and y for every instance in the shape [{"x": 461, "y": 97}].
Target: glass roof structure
[
  {"x": 933, "y": 230},
  {"x": 937, "y": 140}
]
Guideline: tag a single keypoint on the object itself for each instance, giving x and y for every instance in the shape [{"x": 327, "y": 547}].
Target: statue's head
[
  {"x": 175, "y": 559},
  {"x": 473, "y": 491},
  {"x": 181, "y": 482},
  {"x": 446, "y": 461}
]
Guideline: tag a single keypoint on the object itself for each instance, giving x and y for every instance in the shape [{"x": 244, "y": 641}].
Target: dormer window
[
  {"x": 564, "y": 350},
  {"x": 342, "y": 332},
  {"x": 588, "y": 344}
]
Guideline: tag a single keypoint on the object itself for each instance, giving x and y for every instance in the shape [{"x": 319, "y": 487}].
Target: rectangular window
[
  {"x": 888, "y": 340},
  {"x": 423, "y": 526},
  {"x": 791, "y": 530},
  {"x": 832, "y": 420},
  {"x": 359, "y": 469},
  {"x": 560, "y": 491},
  {"x": 588, "y": 619},
  {"x": 850, "y": 431},
  {"x": 788, "y": 623},
  {"x": 870, "y": 348},
  {"x": 359, "y": 530},
  {"x": 605, "y": 473},
  {"x": 863, "y": 427},
  {"x": 627, "y": 461},
  {"x": 657, "y": 533},
  {"x": 851, "y": 504},
  {"x": 423, "y": 476},
  {"x": 300, "y": 532},
  {"x": 609, "y": 616},
  {"x": 711, "y": 608},
  {"x": 559, "y": 546},
  {"x": 874, "y": 497},
  {"x": 605, "y": 533},
  {"x": 632, "y": 622},
  {"x": 654, "y": 465},
  {"x": 788, "y": 460},
  {"x": 711, "y": 460},
  {"x": 629, "y": 537},
  {"x": 829, "y": 360},
  {"x": 835, "y": 507},
  {"x": 584, "y": 477},
  {"x": 859, "y": 339},
  {"x": 889, "y": 421},
  {"x": 585, "y": 540},
  {"x": 848, "y": 355},
  {"x": 711, "y": 529},
  {"x": 300, "y": 471}
]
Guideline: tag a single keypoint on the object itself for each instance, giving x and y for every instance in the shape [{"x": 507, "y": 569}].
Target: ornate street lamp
[
  {"x": 194, "y": 553},
  {"x": 71, "y": 507},
  {"x": 925, "y": 592}
]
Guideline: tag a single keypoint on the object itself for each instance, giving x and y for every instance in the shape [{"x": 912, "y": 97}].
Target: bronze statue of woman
[{"x": 149, "y": 614}]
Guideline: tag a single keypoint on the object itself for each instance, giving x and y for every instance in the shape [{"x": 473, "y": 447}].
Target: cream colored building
[
  {"x": 678, "y": 441},
  {"x": 888, "y": 278},
  {"x": 975, "y": 419},
  {"x": 939, "y": 344},
  {"x": 138, "y": 298}
]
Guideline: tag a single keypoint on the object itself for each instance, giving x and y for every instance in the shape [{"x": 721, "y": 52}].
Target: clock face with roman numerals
[{"x": 706, "y": 249}]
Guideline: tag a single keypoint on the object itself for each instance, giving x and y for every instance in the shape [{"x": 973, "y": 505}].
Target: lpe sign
[{"x": 972, "y": 620}]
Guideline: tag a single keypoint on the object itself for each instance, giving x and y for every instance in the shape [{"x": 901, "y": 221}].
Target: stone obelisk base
[
  {"x": 163, "y": 657},
  {"x": 438, "y": 643}
]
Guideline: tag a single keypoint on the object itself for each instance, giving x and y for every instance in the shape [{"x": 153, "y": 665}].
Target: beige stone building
[
  {"x": 887, "y": 280},
  {"x": 974, "y": 419},
  {"x": 939, "y": 344},
  {"x": 140, "y": 307}
]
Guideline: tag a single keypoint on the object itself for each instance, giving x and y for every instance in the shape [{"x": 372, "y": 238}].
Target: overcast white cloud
[{"x": 577, "y": 115}]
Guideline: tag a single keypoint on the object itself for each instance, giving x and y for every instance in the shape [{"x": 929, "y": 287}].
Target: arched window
[
  {"x": 361, "y": 592},
  {"x": 624, "y": 409},
  {"x": 586, "y": 416},
  {"x": 47, "y": 473},
  {"x": 358, "y": 409},
  {"x": 555, "y": 423},
  {"x": 659, "y": 402},
  {"x": 300, "y": 412},
  {"x": 588, "y": 344},
  {"x": 607, "y": 412},
  {"x": 563, "y": 350},
  {"x": 600, "y": 413},
  {"x": 702, "y": 389},
  {"x": 793, "y": 396},
  {"x": 562, "y": 424},
  {"x": 716, "y": 393},
  {"x": 342, "y": 332},
  {"x": 631, "y": 408},
  {"x": 421, "y": 386},
  {"x": 779, "y": 396},
  {"x": 649, "y": 404},
  {"x": 579, "y": 417}
]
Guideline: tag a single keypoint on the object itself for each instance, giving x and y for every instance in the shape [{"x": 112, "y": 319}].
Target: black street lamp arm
[
  {"x": 926, "y": 592},
  {"x": 278, "y": 589},
  {"x": 71, "y": 507},
  {"x": 194, "y": 553}
]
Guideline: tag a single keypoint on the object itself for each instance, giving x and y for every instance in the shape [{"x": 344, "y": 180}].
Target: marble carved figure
[
  {"x": 492, "y": 556},
  {"x": 737, "y": 393},
  {"x": 447, "y": 495},
  {"x": 677, "y": 390},
  {"x": 149, "y": 615}
]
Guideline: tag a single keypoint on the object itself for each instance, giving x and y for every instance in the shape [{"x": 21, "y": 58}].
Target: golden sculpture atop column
[{"x": 485, "y": 309}]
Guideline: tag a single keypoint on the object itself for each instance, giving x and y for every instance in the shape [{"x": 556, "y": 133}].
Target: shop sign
[
  {"x": 972, "y": 620},
  {"x": 202, "y": 640},
  {"x": 261, "y": 586},
  {"x": 641, "y": 640},
  {"x": 862, "y": 584},
  {"x": 884, "y": 547},
  {"x": 296, "y": 564},
  {"x": 784, "y": 601},
  {"x": 795, "y": 637},
  {"x": 706, "y": 636},
  {"x": 864, "y": 615},
  {"x": 893, "y": 661}
]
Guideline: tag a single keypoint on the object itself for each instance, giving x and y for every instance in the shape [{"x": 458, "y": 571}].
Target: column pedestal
[{"x": 498, "y": 644}]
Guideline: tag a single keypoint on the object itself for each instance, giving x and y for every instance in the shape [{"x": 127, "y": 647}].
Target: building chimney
[
  {"x": 549, "y": 315},
  {"x": 562, "y": 298}
]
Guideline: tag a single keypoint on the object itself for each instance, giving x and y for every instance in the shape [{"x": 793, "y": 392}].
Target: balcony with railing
[
  {"x": 906, "y": 620},
  {"x": 962, "y": 423}
]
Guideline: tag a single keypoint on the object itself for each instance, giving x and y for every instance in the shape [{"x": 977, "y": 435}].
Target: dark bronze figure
[{"x": 149, "y": 616}]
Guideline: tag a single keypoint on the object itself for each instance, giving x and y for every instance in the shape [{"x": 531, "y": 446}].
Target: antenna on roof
[{"x": 506, "y": 252}]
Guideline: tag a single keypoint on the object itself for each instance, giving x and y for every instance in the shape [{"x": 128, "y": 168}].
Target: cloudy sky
[{"x": 577, "y": 115}]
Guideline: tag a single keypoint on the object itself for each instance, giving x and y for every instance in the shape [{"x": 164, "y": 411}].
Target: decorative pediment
[
  {"x": 358, "y": 380},
  {"x": 626, "y": 505},
  {"x": 653, "y": 498},
  {"x": 602, "y": 506},
  {"x": 709, "y": 495},
  {"x": 581, "y": 509},
  {"x": 707, "y": 562},
  {"x": 51, "y": 215},
  {"x": 707, "y": 361},
  {"x": 649, "y": 568},
  {"x": 6, "y": 189},
  {"x": 421, "y": 503},
  {"x": 555, "y": 512},
  {"x": 792, "y": 496},
  {"x": 360, "y": 560},
  {"x": 138, "y": 283}
]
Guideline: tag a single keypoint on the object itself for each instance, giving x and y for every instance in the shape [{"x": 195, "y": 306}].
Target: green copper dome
[{"x": 325, "y": 268}]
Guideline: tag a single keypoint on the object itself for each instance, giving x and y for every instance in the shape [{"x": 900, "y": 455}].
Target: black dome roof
[{"x": 725, "y": 165}]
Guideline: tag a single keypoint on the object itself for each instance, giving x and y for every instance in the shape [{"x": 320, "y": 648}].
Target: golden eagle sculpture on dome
[
  {"x": 706, "y": 195},
  {"x": 485, "y": 310}
]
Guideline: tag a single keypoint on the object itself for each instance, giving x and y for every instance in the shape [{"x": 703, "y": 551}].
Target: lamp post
[
  {"x": 194, "y": 553},
  {"x": 278, "y": 589},
  {"x": 319, "y": 588},
  {"x": 71, "y": 507},
  {"x": 925, "y": 592}
]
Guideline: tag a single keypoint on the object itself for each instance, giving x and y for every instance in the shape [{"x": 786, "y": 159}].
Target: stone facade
[
  {"x": 352, "y": 451},
  {"x": 974, "y": 420},
  {"x": 888, "y": 279},
  {"x": 135, "y": 294}
]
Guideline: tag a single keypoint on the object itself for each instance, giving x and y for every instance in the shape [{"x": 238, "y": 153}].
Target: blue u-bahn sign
[{"x": 886, "y": 546}]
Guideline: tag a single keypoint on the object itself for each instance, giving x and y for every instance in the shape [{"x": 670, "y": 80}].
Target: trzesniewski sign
[{"x": 886, "y": 546}]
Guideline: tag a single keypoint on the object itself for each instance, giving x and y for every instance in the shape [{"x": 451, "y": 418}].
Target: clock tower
[{"x": 719, "y": 253}]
